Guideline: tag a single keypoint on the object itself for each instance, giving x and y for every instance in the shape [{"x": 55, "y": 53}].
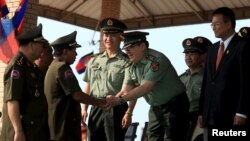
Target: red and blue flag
[
  {"x": 9, "y": 28},
  {"x": 4, "y": 9},
  {"x": 82, "y": 63}
]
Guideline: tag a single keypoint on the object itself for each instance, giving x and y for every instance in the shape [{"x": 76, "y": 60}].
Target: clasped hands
[{"x": 110, "y": 102}]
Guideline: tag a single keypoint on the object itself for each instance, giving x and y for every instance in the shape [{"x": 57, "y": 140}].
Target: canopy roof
[{"x": 140, "y": 14}]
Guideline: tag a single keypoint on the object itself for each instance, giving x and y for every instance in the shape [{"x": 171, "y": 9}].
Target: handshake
[{"x": 110, "y": 102}]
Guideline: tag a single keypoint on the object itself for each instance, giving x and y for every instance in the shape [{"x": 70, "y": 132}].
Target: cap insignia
[
  {"x": 244, "y": 30},
  {"x": 200, "y": 40},
  {"x": 109, "y": 22},
  {"x": 188, "y": 42}
]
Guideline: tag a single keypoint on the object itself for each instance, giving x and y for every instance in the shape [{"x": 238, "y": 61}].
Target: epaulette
[
  {"x": 94, "y": 55},
  {"x": 151, "y": 57},
  {"x": 19, "y": 61},
  {"x": 128, "y": 63},
  {"x": 184, "y": 73}
]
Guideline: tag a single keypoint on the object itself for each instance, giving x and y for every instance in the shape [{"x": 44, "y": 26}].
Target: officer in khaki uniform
[
  {"x": 25, "y": 110},
  {"x": 152, "y": 76},
  {"x": 104, "y": 76},
  {"x": 194, "y": 50},
  {"x": 63, "y": 92}
]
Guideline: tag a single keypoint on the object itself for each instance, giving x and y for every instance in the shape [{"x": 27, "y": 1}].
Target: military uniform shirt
[
  {"x": 64, "y": 111},
  {"x": 23, "y": 82},
  {"x": 155, "y": 67},
  {"x": 193, "y": 88},
  {"x": 106, "y": 75}
]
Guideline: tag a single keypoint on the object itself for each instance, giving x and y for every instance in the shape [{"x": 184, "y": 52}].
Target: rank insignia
[
  {"x": 15, "y": 74},
  {"x": 154, "y": 66},
  {"x": 68, "y": 74}
]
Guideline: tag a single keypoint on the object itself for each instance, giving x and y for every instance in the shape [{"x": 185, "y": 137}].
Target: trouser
[
  {"x": 169, "y": 122},
  {"x": 106, "y": 125},
  {"x": 193, "y": 117}
]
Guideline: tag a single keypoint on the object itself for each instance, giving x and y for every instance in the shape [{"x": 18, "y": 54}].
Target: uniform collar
[{"x": 119, "y": 54}]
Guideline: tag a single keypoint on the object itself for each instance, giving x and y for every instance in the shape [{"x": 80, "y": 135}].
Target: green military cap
[
  {"x": 112, "y": 25},
  {"x": 32, "y": 35},
  {"x": 67, "y": 41},
  {"x": 203, "y": 42},
  {"x": 191, "y": 45},
  {"x": 132, "y": 38},
  {"x": 244, "y": 32}
]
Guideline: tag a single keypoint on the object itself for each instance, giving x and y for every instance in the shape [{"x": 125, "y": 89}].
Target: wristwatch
[{"x": 122, "y": 101}]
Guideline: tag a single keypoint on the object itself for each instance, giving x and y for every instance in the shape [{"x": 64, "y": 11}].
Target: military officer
[
  {"x": 45, "y": 58},
  {"x": 104, "y": 76},
  {"x": 152, "y": 76},
  {"x": 63, "y": 92},
  {"x": 244, "y": 32},
  {"x": 194, "y": 50},
  {"x": 25, "y": 110}
]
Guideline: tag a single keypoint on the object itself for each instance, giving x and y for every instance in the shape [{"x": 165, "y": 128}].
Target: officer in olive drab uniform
[
  {"x": 25, "y": 110},
  {"x": 153, "y": 77},
  {"x": 63, "y": 92},
  {"x": 104, "y": 76},
  {"x": 194, "y": 50},
  {"x": 244, "y": 32}
]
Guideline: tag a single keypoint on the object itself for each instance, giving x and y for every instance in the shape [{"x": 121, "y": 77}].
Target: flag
[
  {"x": 9, "y": 27},
  {"x": 4, "y": 10},
  {"x": 82, "y": 63},
  {"x": 8, "y": 42},
  {"x": 19, "y": 15}
]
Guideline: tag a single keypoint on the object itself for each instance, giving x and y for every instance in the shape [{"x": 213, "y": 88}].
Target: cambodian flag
[
  {"x": 4, "y": 10},
  {"x": 82, "y": 63},
  {"x": 9, "y": 27},
  {"x": 19, "y": 15}
]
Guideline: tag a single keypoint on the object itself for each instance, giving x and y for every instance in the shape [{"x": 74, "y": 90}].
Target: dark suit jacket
[{"x": 225, "y": 92}]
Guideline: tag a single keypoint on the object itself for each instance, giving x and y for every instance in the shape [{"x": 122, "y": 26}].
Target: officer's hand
[
  {"x": 199, "y": 121},
  {"x": 106, "y": 106},
  {"x": 239, "y": 120},
  {"x": 126, "y": 120},
  {"x": 84, "y": 115},
  {"x": 19, "y": 136},
  {"x": 113, "y": 100}
]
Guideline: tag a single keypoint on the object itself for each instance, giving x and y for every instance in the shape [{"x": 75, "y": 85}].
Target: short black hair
[{"x": 228, "y": 15}]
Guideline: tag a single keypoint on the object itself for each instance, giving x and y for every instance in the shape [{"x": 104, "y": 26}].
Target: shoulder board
[
  {"x": 183, "y": 74},
  {"x": 94, "y": 55},
  {"x": 151, "y": 57},
  {"x": 20, "y": 61},
  {"x": 128, "y": 63}
]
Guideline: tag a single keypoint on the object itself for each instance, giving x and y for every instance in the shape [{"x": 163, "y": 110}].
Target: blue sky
[{"x": 167, "y": 40}]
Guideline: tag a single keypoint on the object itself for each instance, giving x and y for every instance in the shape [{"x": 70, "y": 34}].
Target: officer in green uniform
[
  {"x": 25, "y": 110},
  {"x": 152, "y": 76},
  {"x": 63, "y": 92},
  {"x": 194, "y": 50},
  {"x": 104, "y": 76}
]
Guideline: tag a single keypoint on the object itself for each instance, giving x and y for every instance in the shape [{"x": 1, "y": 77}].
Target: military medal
[{"x": 37, "y": 94}]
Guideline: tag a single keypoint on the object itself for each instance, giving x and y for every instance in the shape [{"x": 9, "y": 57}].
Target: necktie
[{"x": 220, "y": 54}]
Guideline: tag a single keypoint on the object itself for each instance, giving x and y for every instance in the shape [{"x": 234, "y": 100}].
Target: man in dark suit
[{"x": 224, "y": 100}]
